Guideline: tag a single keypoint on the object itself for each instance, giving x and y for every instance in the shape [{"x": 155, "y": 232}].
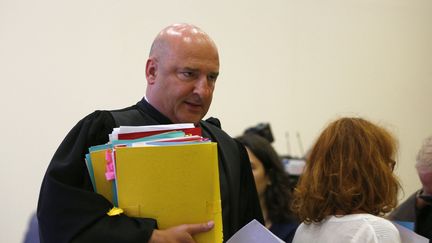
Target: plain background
[{"x": 294, "y": 64}]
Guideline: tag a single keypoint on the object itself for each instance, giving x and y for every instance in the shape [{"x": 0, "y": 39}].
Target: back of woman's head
[
  {"x": 349, "y": 170},
  {"x": 278, "y": 193}
]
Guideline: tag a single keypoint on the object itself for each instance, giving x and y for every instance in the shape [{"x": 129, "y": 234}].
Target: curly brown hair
[{"x": 349, "y": 170}]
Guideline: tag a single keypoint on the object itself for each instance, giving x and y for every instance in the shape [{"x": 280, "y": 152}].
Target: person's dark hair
[
  {"x": 278, "y": 193},
  {"x": 349, "y": 170}
]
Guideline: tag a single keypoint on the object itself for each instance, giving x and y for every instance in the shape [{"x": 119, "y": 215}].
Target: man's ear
[{"x": 151, "y": 70}]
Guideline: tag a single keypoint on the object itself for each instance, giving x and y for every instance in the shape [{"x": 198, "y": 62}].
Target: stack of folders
[{"x": 166, "y": 172}]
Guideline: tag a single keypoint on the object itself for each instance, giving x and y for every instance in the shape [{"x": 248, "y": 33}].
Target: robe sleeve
[{"x": 68, "y": 208}]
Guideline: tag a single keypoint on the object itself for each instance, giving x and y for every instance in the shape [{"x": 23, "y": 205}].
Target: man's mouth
[{"x": 194, "y": 104}]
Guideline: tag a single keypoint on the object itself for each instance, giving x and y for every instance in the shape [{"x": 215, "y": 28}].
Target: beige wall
[{"x": 295, "y": 64}]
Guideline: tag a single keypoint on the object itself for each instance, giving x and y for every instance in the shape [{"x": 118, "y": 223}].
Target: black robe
[{"x": 70, "y": 211}]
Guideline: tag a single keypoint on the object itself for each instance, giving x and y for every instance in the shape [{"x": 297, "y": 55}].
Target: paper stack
[{"x": 166, "y": 172}]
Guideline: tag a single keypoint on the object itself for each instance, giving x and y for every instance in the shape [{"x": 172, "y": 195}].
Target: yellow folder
[
  {"x": 100, "y": 183},
  {"x": 177, "y": 184}
]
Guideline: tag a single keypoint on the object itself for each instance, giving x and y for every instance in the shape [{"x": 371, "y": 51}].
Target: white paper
[
  {"x": 409, "y": 236},
  {"x": 149, "y": 128},
  {"x": 254, "y": 232},
  {"x": 132, "y": 129},
  {"x": 172, "y": 141}
]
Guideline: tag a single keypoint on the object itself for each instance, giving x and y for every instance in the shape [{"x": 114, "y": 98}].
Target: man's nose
[{"x": 203, "y": 86}]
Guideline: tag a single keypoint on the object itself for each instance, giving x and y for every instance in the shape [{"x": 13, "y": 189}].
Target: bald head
[
  {"x": 424, "y": 156},
  {"x": 181, "y": 73},
  {"x": 186, "y": 34}
]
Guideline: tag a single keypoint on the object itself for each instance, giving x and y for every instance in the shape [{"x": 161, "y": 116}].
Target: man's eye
[
  {"x": 212, "y": 77},
  {"x": 187, "y": 74}
]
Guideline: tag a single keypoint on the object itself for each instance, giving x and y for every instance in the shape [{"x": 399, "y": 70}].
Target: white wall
[{"x": 295, "y": 64}]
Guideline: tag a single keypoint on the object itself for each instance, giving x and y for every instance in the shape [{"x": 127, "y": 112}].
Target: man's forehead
[{"x": 211, "y": 69}]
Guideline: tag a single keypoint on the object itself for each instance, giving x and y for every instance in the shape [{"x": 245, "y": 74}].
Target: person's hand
[{"x": 180, "y": 234}]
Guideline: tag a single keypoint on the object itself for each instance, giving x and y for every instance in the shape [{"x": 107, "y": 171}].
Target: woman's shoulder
[
  {"x": 379, "y": 221},
  {"x": 351, "y": 228},
  {"x": 383, "y": 229}
]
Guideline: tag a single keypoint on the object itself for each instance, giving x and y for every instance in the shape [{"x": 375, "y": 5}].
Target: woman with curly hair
[
  {"x": 348, "y": 185},
  {"x": 272, "y": 184}
]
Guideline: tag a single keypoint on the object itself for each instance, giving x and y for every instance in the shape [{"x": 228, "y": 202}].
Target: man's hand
[{"x": 180, "y": 234}]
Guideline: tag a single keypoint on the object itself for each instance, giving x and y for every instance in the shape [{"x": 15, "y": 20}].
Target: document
[
  {"x": 169, "y": 176},
  {"x": 175, "y": 185},
  {"x": 96, "y": 163},
  {"x": 409, "y": 236},
  {"x": 254, "y": 232},
  {"x": 133, "y": 132}
]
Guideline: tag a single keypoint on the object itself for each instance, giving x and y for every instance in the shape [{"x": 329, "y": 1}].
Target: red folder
[{"x": 135, "y": 135}]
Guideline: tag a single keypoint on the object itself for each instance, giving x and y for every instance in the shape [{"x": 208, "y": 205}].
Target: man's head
[
  {"x": 424, "y": 165},
  {"x": 181, "y": 72}
]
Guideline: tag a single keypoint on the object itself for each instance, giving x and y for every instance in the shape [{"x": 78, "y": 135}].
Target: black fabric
[
  {"x": 240, "y": 202},
  {"x": 424, "y": 222},
  {"x": 69, "y": 210},
  {"x": 214, "y": 121},
  {"x": 422, "y": 218},
  {"x": 285, "y": 231}
]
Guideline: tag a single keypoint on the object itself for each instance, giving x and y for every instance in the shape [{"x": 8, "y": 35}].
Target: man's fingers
[{"x": 199, "y": 228}]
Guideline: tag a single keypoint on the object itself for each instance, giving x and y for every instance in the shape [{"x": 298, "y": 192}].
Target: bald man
[
  {"x": 181, "y": 73},
  {"x": 418, "y": 207}
]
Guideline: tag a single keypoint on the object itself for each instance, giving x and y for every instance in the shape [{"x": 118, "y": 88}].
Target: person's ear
[
  {"x": 151, "y": 70},
  {"x": 269, "y": 177}
]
